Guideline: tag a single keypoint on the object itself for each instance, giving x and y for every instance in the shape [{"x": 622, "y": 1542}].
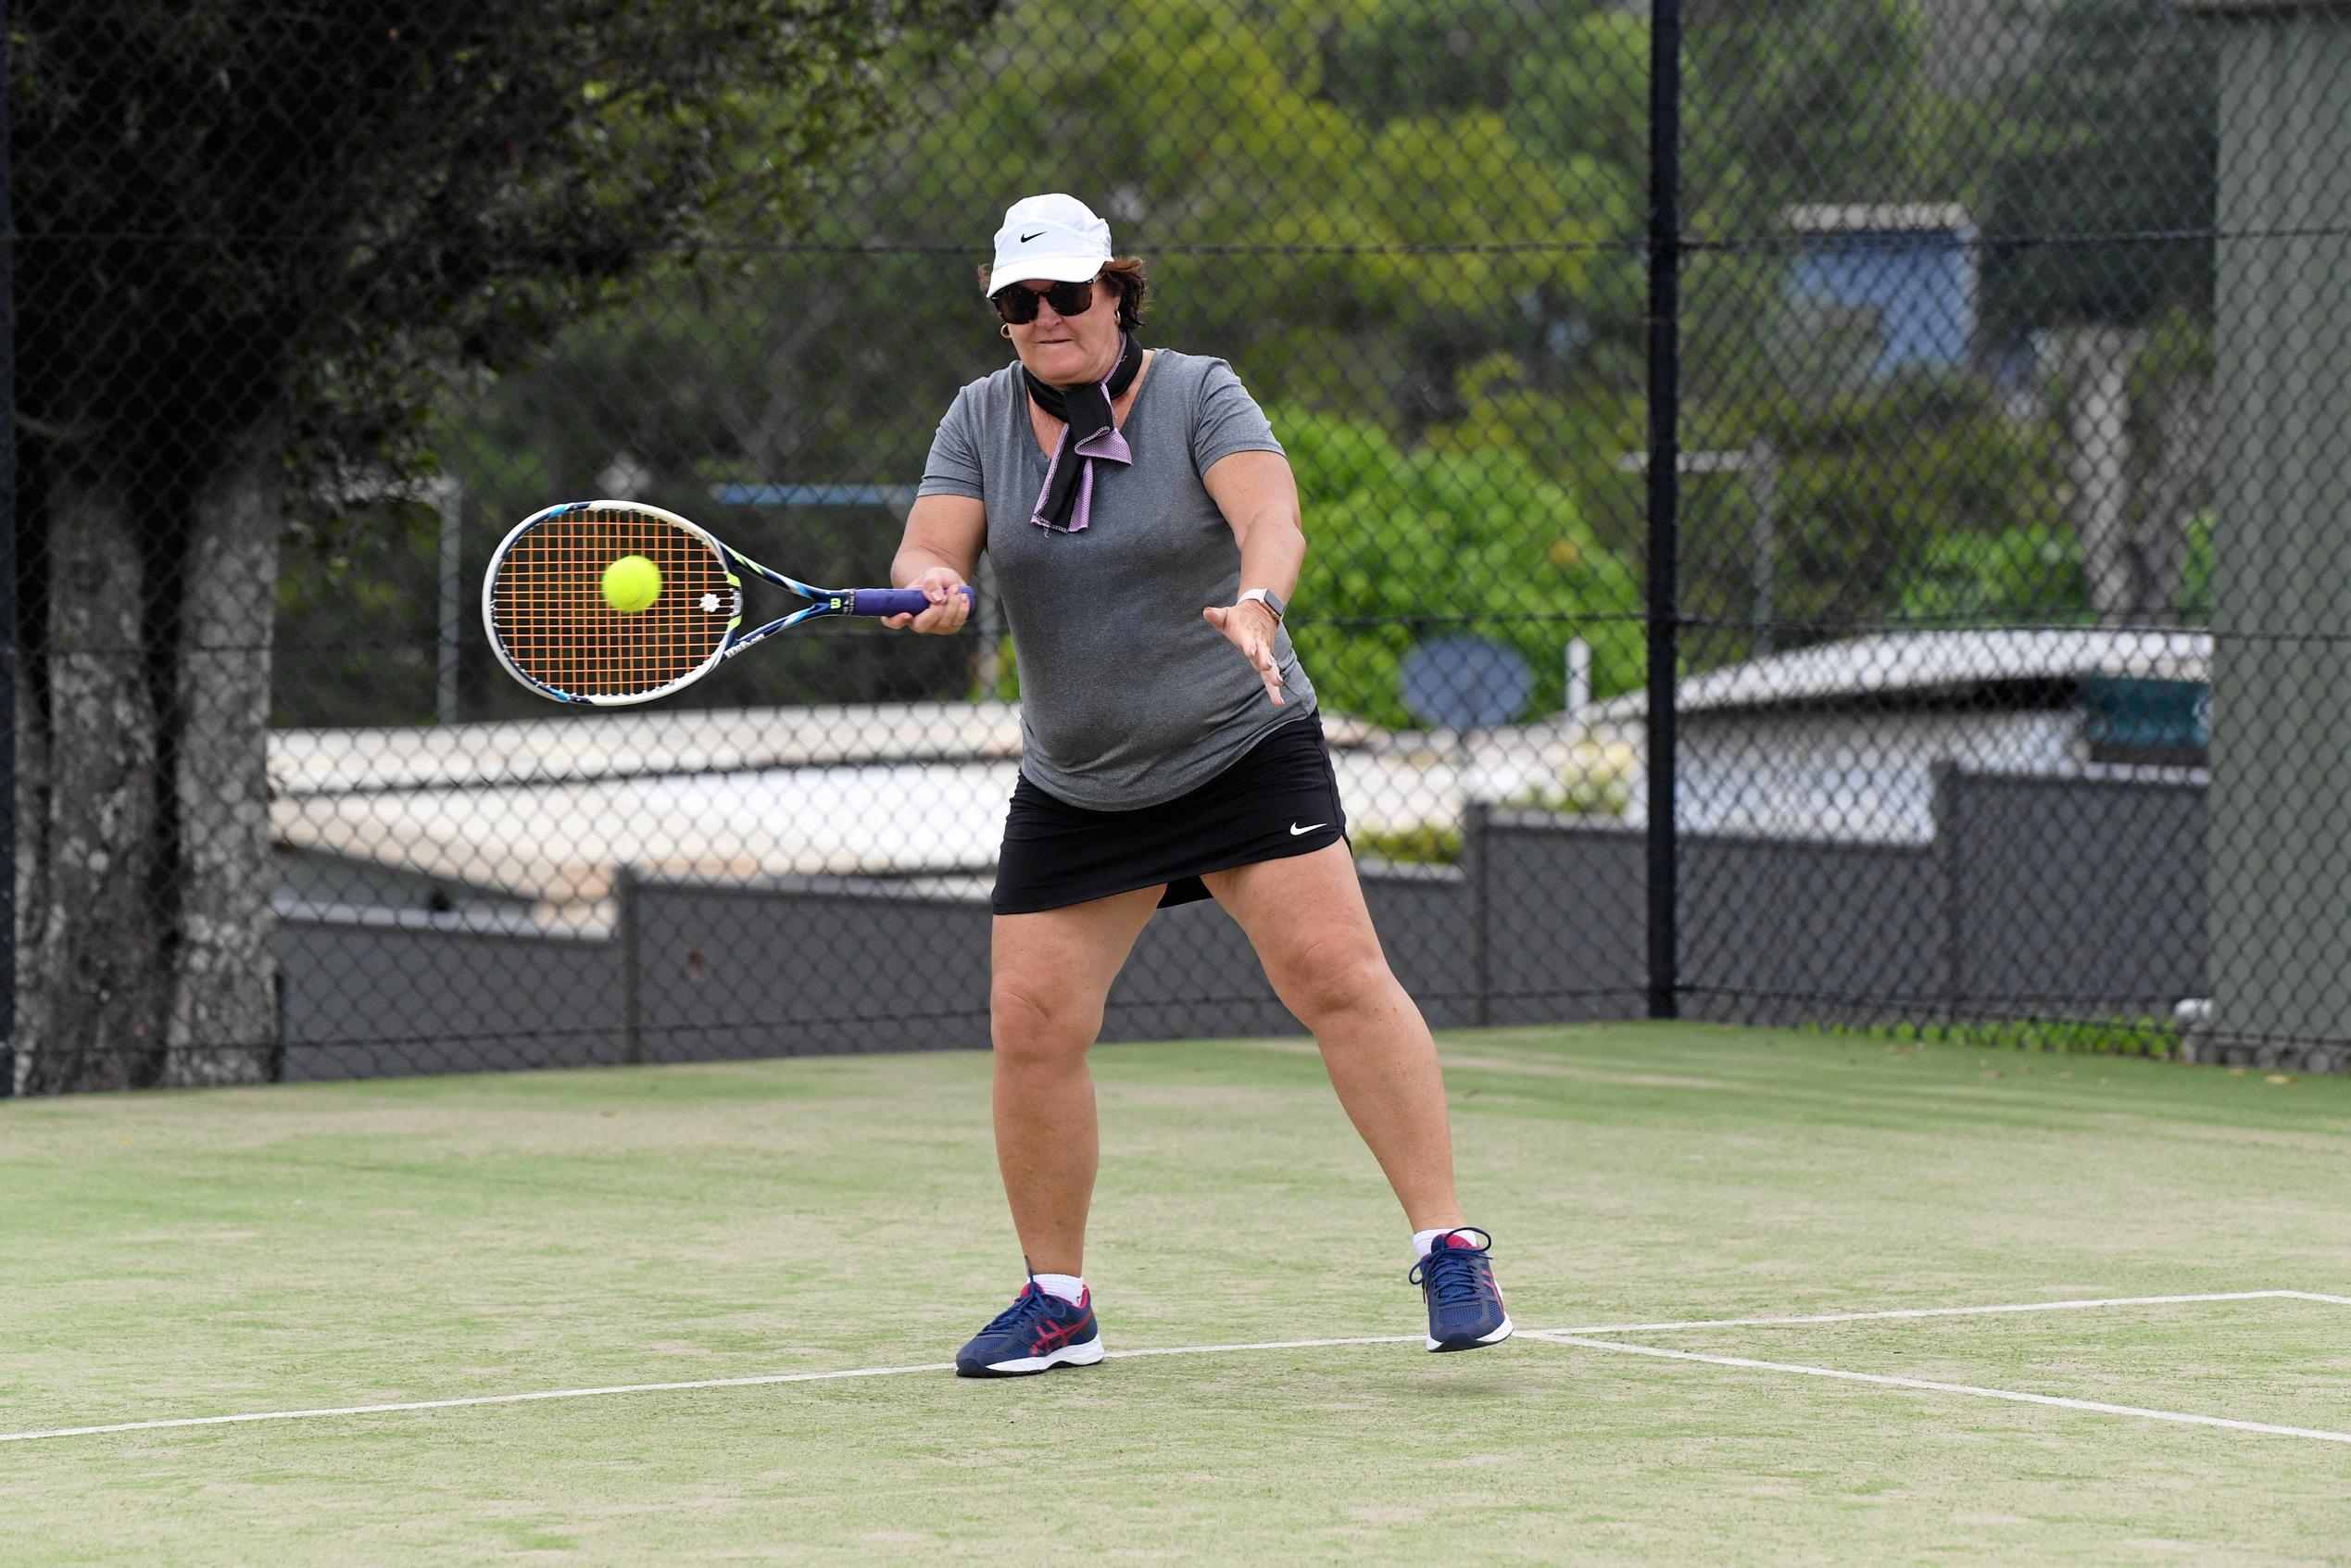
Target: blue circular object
[{"x": 1463, "y": 682}]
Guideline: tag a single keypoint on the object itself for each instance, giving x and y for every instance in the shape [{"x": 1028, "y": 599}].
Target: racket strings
[{"x": 549, "y": 609}]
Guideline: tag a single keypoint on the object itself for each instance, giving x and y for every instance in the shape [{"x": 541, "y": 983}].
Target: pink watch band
[{"x": 1262, "y": 596}]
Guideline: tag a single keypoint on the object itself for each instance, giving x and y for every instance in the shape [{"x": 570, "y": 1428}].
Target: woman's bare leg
[
  {"x": 1052, "y": 971},
  {"x": 1305, "y": 916}
]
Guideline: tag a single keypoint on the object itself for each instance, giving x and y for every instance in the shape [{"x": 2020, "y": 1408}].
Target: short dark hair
[{"x": 1124, "y": 273}]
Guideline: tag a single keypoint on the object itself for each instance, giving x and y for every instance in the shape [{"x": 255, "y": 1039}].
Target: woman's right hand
[{"x": 950, "y": 604}]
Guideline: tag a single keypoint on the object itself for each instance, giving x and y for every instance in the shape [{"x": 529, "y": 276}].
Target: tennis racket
[{"x": 543, "y": 601}]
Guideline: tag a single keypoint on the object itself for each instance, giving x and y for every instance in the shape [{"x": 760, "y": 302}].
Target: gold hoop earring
[{"x": 1004, "y": 331}]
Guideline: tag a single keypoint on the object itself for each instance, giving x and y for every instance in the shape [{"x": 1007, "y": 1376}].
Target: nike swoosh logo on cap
[
  {"x": 1025, "y": 238},
  {"x": 1295, "y": 830}
]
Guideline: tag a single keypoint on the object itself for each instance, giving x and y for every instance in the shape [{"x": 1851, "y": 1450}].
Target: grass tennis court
[{"x": 190, "y": 1255}]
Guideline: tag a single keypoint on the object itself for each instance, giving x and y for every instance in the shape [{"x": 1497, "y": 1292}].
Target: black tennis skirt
[{"x": 1280, "y": 799}]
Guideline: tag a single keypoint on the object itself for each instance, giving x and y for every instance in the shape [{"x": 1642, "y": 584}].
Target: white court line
[
  {"x": 779, "y": 1377},
  {"x": 2098, "y": 1407},
  {"x": 644, "y": 1388},
  {"x": 455, "y": 1404},
  {"x": 2065, "y": 1306}
]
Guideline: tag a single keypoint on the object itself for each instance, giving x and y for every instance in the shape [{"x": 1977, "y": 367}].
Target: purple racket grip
[{"x": 893, "y": 601}]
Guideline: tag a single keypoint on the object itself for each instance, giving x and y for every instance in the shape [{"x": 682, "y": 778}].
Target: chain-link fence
[{"x": 1946, "y": 392}]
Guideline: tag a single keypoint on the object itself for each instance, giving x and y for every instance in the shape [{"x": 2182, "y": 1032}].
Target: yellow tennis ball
[{"x": 631, "y": 584}]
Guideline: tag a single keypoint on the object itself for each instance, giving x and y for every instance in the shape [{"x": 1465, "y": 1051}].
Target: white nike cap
[{"x": 1053, "y": 236}]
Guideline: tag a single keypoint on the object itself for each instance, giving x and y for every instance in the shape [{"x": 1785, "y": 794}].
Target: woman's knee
[
  {"x": 1038, "y": 1021},
  {"x": 1336, "y": 981}
]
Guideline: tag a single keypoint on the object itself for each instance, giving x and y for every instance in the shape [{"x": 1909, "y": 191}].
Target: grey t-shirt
[{"x": 1128, "y": 697}]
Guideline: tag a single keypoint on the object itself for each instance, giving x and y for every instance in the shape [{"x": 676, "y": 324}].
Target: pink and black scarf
[{"x": 1066, "y": 502}]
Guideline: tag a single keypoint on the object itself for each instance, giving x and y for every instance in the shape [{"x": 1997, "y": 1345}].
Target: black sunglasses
[{"x": 1018, "y": 304}]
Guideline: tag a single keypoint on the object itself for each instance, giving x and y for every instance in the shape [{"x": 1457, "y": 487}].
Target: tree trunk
[
  {"x": 224, "y": 1016},
  {"x": 144, "y": 870},
  {"x": 2098, "y": 373},
  {"x": 2185, "y": 429},
  {"x": 93, "y": 980}
]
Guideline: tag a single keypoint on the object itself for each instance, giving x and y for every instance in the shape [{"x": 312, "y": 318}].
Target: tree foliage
[
  {"x": 1408, "y": 543},
  {"x": 230, "y": 207},
  {"x": 255, "y": 242},
  {"x": 2113, "y": 142},
  {"x": 1883, "y": 496},
  {"x": 1422, "y": 263},
  {"x": 1416, "y": 219}
]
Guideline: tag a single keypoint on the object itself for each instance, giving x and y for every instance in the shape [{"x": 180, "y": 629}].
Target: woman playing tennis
[{"x": 1146, "y": 536}]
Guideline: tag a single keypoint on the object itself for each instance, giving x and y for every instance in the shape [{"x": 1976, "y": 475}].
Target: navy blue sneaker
[
  {"x": 1465, "y": 1305},
  {"x": 1037, "y": 1332}
]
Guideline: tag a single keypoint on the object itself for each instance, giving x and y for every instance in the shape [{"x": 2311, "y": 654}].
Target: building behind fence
[{"x": 1884, "y": 460}]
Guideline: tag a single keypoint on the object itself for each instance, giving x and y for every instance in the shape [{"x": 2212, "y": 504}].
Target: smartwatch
[{"x": 1268, "y": 597}]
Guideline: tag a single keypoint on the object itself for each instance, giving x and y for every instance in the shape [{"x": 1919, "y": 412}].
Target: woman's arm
[
  {"x": 938, "y": 555},
  {"x": 1259, "y": 497}
]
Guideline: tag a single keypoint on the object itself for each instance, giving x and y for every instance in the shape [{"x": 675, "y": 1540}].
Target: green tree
[
  {"x": 253, "y": 243},
  {"x": 2117, "y": 156},
  {"x": 2029, "y": 576},
  {"x": 1419, "y": 219},
  {"x": 1805, "y": 102},
  {"x": 1923, "y": 499},
  {"x": 1408, "y": 544},
  {"x": 1356, "y": 259},
  {"x": 2115, "y": 131},
  {"x": 1353, "y": 250}
]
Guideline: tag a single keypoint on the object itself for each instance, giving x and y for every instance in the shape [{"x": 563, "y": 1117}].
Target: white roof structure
[
  {"x": 1841, "y": 740},
  {"x": 1929, "y": 663},
  {"x": 551, "y": 809},
  {"x": 637, "y": 742}
]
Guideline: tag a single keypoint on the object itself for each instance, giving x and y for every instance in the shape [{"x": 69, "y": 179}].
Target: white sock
[
  {"x": 1069, "y": 1288},
  {"x": 1424, "y": 1240}
]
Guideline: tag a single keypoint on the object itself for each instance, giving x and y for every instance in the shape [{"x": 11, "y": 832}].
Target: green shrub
[
  {"x": 1423, "y": 845},
  {"x": 2030, "y": 573},
  {"x": 1405, "y": 546},
  {"x": 2064, "y": 1036}
]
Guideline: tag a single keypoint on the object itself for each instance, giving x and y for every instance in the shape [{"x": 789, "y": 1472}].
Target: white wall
[{"x": 1865, "y": 775}]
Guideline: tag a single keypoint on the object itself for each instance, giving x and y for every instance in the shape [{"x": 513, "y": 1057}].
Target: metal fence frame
[{"x": 1666, "y": 991}]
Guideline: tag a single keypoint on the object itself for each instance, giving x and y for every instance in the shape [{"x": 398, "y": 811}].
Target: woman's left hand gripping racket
[{"x": 553, "y": 630}]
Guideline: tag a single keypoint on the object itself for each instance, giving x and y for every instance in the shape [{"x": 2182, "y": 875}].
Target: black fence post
[
  {"x": 1664, "y": 494},
  {"x": 624, "y": 917},
  {"x": 7, "y": 586},
  {"x": 1477, "y": 858},
  {"x": 1945, "y": 775}
]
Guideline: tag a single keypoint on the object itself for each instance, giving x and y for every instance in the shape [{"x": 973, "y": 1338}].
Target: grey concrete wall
[
  {"x": 805, "y": 968},
  {"x": 1427, "y": 926},
  {"x": 367, "y": 998},
  {"x": 1781, "y": 930},
  {"x": 1771, "y": 929},
  {"x": 311, "y": 876},
  {"x": 1562, "y": 919},
  {"x": 2039, "y": 896},
  {"x": 835, "y": 966},
  {"x": 2083, "y": 896}
]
